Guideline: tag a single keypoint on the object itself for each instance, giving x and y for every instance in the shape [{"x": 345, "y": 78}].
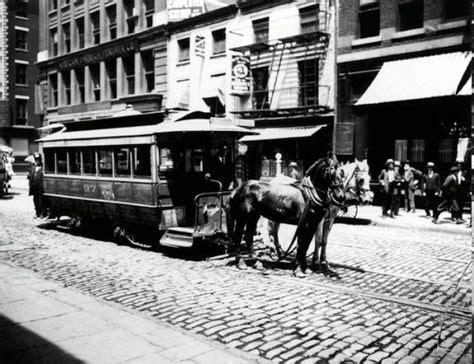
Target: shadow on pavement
[
  {"x": 352, "y": 221},
  {"x": 20, "y": 345}
]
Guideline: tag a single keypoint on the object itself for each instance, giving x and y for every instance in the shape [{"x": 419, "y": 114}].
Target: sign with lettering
[
  {"x": 247, "y": 123},
  {"x": 184, "y": 9},
  {"x": 240, "y": 80},
  {"x": 200, "y": 46},
  {"x": 99, "y": 55},
  {"x": 344, "y": 138}
]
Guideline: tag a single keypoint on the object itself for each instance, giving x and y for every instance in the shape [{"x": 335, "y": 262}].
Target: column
[
  {"x": 121, "y": 20},
  {"x": 140, "y": 6},
  {"x": 139, "y": 74},
  {"x": 60, "y": 89},
  {"x": 104, "y": 86},
  {"x": 87, "y": 26},
  {"x": 103, "y": 23},
  {"x": 73, "y": 28},
  {"x": 74, "y": 88},
  {"x": 121, "y": 81},
  {"x": 88, "y": 86}
]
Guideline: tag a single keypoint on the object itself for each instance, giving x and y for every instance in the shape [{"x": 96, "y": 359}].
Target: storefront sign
[
  {"x": 247, "y": 123},
  {"x": 344, "y": 138},
  {"x": 200, "y": 46},
  {"x": 240, "y": 83},
  {"x": 99, "y": 55},
  {"x": 184, "y": 9}
]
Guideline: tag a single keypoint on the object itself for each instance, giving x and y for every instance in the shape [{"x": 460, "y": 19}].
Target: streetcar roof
[{"x": 200, "y": 125}]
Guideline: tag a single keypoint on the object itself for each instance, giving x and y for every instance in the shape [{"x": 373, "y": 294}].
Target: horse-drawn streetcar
[{"x": 149, "y": 179}]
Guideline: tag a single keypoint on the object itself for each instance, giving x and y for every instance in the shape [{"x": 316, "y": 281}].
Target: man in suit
[
  {"x": 448, "y": 194},
  {"x": 410, "y": 187},
  {"x": 397, "y": 189},
  {"x": 35, "y": 177},
  {"x": 387, "y": 179},
  {"x": 221, "y": 167},
  {"x": 431, "y": 188}
]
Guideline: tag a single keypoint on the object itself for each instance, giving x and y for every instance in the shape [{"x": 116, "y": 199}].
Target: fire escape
[{"x": 271, "y": 95}]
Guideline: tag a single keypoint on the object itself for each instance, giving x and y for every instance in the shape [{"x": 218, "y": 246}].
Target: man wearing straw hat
[
  {"x": 431, "y": 188},
  {"x": 387, "y": 178}
]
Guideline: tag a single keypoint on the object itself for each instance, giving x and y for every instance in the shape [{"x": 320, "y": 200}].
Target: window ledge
[
  {"x": 21, "y": 17},
  {"x": 409, "y": 33},
  {"x": 23, "y": 126},
  {"x": 218, "y": 55},
  {"x": 452, "y": 25},
  {"x": 366, "y": 41},
  {"x": 21, "y": 50},
  {"x": 184, "y": 62},
  {"x": 20, "y": 85}
]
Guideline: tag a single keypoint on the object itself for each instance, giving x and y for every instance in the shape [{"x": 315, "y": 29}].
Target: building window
[
  {"x": 111, "y": 68},
  {"x": 446, "y": 150},
  {"x": 456, "y": 9},
  {"x": 21, "y": 111},
  {"x": 49, "y": 161},
  {"x": 21, "y": 8},
  {"x": 130, "y": 17},
  {"x": 21, "y": 39},
  {"x": 309, "y": 19},
  {"x": 80, "y": 85},
  {"x": 66, "y": 76},
  {"x": 417, "y": 154},
  {"x": 129, "y": 69},
  {"x": 148, "y": 60},
  {"x": 53, "y": 36},
  {"x": 67, "y": 37},
  {"x": 260, "y": 30},
  {"x": 95, "y": 79},
  {"x": 20, "y": 74},
  {"x": 410, "y": 14},
  {"x": 80, "y": 32},
  {"x": 53, "y": 90},
  {"x": 369, "y": 18},
  {"x": 401, "y": 150},
  {"x": 218, "y": 41},
  {"x": 183, "y": 45},
  {"x": 95, "y": 23},
  {"x": 149, "y": 10},
  {"x": 308, "y": 72},
  {"x": 65, "y": 2},
  {"x": 61, "y": 161},
  {"x": 112, "y": 21},
  {"x": 260, "y": 90},
  {"x": 53, "y": 5}
]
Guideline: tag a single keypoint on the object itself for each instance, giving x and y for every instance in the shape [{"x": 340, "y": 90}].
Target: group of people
[{"x": 399, "y": 185}]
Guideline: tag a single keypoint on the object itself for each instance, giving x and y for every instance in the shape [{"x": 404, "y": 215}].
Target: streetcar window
[
  {"x": 61, "y": 160},
  {"x": 105, "y": 162},
  {"x": 49, "y": 161},
  {"x": 122, "y": 162},
  {"x": 141, "y": 161},
  {"x": 88, "y": 161},
  {"x": 74, "y": 162},
  {"x": 197, "y": 160},
  {"x": 166, "y": 159}
]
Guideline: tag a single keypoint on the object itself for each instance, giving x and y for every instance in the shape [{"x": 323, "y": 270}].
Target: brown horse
[
  {"x": 302, "y": 204},
  {"x": 356, "y": 184}
]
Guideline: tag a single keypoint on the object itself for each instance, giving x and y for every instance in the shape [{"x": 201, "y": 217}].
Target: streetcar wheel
[{"x": 349, "y": 212}]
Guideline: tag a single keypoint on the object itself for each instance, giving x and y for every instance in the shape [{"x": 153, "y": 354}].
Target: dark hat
[{"x": 454, "y": 169}]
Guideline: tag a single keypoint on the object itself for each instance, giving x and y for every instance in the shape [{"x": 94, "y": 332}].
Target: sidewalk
[{"x": 42, "y": 322}]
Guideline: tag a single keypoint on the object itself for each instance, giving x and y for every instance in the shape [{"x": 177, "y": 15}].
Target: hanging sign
[
  {"x": 240, "y": 80},
  {"x": 200, "y": 46},
  {"x": 344, "y": 138}
]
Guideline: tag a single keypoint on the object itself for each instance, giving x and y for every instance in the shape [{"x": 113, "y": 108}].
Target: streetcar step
[{"x": 178, "y": 237}]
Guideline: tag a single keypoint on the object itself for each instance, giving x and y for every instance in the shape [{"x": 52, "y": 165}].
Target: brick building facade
[{"x": 418, "y": 108}]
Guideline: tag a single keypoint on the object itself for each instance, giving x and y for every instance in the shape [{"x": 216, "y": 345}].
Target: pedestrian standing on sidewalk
[
  {"x": 462, "y": 191},
  {"x": 431, "y": 188},
  {"x": 35, "y": 177},
  {"x": 397, "y": 189},
  {"x": 387, "y": 179},
  {"x": 293, "y": 173},
  {"x": 448, "y": 195},
  {"x": 410, "y": 187}
]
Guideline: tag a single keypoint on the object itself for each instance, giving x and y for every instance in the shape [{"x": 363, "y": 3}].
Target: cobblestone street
[{"x": 404, "y": 293}]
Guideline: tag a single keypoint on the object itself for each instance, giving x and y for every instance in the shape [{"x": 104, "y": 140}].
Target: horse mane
[{"x": 316, "y": 166}]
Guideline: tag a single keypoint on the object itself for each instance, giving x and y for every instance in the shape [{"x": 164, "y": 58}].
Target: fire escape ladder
[
  {"x": 272, "y": 90},
  {"x": 265, "y": 97}
]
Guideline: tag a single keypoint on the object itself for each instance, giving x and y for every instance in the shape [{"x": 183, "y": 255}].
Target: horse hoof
[
  {"x": 298, "y": 273},
  {"x": 240, "y": 264},
  {"x": 258, "y": 265}
]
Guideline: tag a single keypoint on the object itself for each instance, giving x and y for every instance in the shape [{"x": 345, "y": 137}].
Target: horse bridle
[{"x": 313, "y": 194}]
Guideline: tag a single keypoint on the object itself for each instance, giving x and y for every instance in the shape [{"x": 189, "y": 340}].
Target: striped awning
[
  {"x": 417, "y": 78},
  {"x": 467, "y": 88},
  {"x": 282, "y": 133}
]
